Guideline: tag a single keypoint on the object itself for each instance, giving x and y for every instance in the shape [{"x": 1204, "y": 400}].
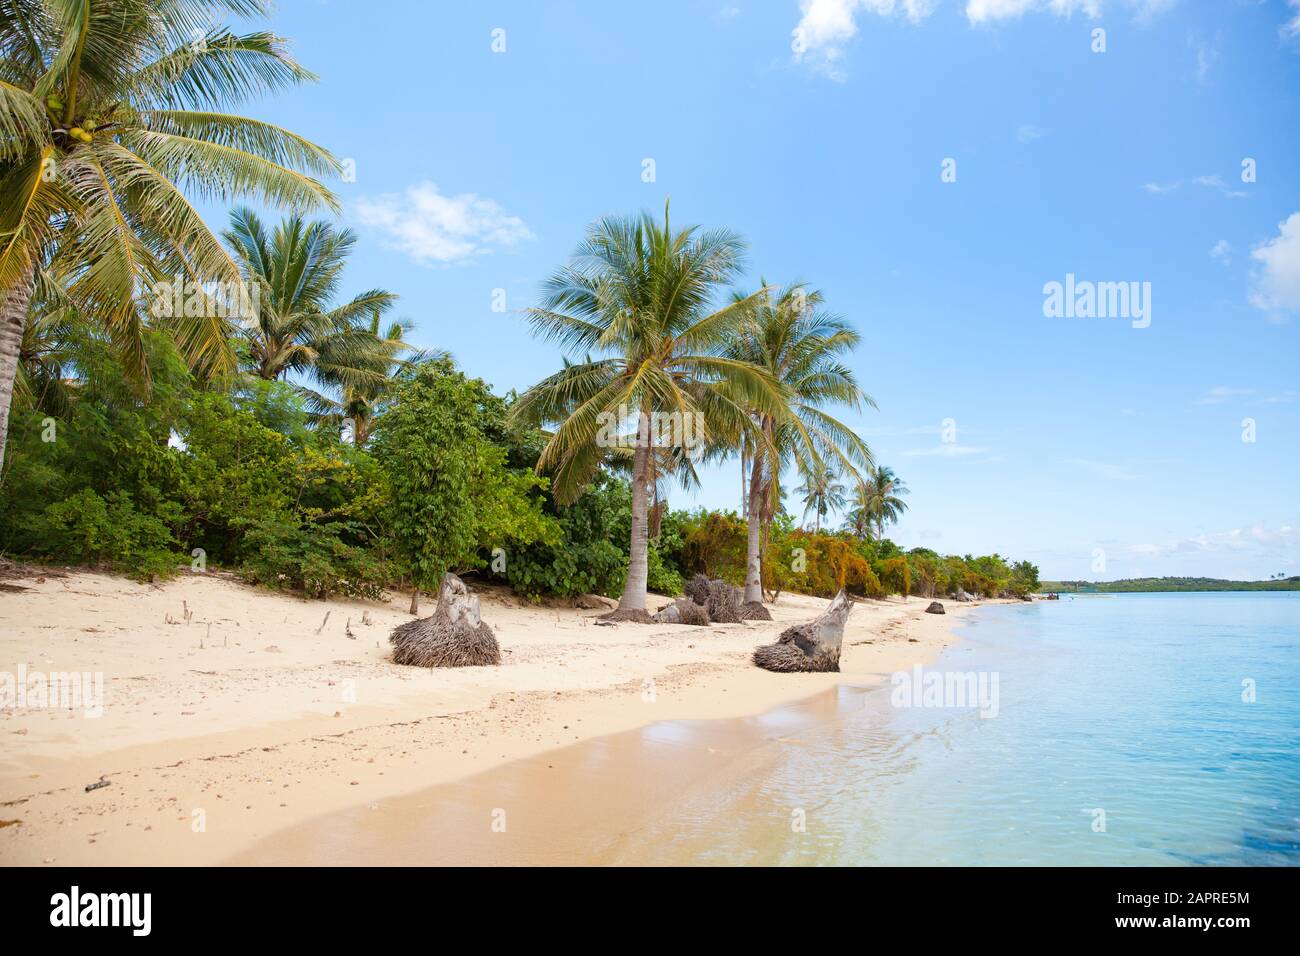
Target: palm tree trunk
[
  {"x": 13, "y": 319},
  {"x": 638, "y": 565},
  {"x": 754, "y": 529}
]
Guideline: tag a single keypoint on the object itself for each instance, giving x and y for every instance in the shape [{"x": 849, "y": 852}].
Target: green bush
[
  {"x": 87, "y": 529},
  {"x": 311, "y": 558},
  {"x": 589, "y": 553}
]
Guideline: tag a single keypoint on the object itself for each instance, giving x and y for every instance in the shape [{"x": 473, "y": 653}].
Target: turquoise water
[{"x": 1127, "y": 705}]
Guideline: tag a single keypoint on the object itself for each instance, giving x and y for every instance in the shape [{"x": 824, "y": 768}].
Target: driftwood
[
  {"x": 814, "y": 646},
  {"x": 684, "y": 611},
  {"x": 454, "y": 636}
]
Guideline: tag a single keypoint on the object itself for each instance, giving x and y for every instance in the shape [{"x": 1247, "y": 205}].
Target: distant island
[{"x": 1171, "y": 584}]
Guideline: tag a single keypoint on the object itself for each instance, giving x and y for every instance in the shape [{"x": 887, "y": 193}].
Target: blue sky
[{"x": 819, "y": 130}]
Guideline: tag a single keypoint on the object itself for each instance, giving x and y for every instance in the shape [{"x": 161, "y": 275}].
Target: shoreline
[{"x": 253, "y": 716}]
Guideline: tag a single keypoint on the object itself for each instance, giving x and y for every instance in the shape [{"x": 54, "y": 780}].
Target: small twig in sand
[
  {"x": 365, "y": 618},
  {"x": 103, "y": 782},
  {"x": 324, "y": 622},
  {"x": 347, "y": 629},
  {"x": 188, "y": 613}
]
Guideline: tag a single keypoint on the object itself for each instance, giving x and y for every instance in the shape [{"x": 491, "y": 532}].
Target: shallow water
[
  {"x": 1130, "y": 704},
  {"x": 1121, "y": 737}
]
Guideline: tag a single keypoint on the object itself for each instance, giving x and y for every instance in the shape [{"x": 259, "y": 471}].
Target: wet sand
[{"x": 592, "y": 803}]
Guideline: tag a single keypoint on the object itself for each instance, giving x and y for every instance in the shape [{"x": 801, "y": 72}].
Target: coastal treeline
[
  {"x": 183, "y": 476},
  {"x": 172, "y": 398},
  {"x": 1136, "y": 585}
]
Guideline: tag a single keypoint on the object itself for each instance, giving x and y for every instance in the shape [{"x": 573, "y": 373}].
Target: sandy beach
[{"x": 232, "y": 714}]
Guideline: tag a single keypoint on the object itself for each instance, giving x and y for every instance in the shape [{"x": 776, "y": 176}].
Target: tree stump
[
  {"x": 454, "y": 636},
  {"x": 684, "y": 611},
  {"x": 814, "y": 646},
  {"x": 725, "y": 602}
]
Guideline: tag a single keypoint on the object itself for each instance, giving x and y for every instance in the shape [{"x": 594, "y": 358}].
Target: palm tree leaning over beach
[
  {"x": 802, "y": 347},
  {"x": 636, "y": 302},
  {"x": 878, "y": 500},
  {"x": 108, "y": 110}
]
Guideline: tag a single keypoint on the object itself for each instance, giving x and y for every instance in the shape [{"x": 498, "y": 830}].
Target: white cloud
[
  {"x": 1275, "y": 284},
  {"x": 1258, "y": 537},
  {"x": 1222, "y": 250},
  {"x": 1207, "y": 182},
  {"x": 433, "y": 228},
  {"x": 1292, "y": 27},
  {"x": 1208, "y": 54},
  {"x": 1029, "y": 132},
  {"x": 826, "y": 25},
  {"x": 984, "y": 11},
  {"x": 1222, "y": 393}
]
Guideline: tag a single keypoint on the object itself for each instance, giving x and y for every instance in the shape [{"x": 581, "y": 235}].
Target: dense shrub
[
  {"x": 283, "y": 552},
  {"x": 87, "y": 529},
  {"x": 452, "y": 498}
]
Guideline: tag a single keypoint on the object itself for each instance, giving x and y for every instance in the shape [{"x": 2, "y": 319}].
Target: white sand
[{"x": 247, "y": 720}]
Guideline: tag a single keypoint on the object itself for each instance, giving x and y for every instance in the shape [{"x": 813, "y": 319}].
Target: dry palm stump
[
  {"x": 454, "y": 636},
  {"x": 814, "y": 646}
]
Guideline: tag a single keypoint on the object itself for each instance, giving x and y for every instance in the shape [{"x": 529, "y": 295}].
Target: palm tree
[
  {"x": 296, "y": 272},
  {"x": 357, "y": 405},
  {"x": 108, "y": 110},
  {"x": 878, "y": 500},
  {"x": 638, "y": 296},
  {"x": 822, "y": 493},
  {"x": 801, "y": 346}
]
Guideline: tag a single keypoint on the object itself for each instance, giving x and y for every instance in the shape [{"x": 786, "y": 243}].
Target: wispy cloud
[
  {"x": 984, "y": 11},
  {"x": 1208, "y": 53},
  {"x": 1029, "y": 132},
  {"x": 1223, "y": 393},
  {"x": 1275, "y": 283},
  {"x": 1222, "y": 250},
  {"x": 1103, "y": 469},
  {"x": 1206, "y": 182},
  {"x": 1256, "y": 537},
  {"x": 435, "y": 229}
]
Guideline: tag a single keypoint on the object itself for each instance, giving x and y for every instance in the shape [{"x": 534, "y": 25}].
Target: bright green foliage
[
  {"x": 314, "y": 558},
  {"x": 86, "y": 529},
  {"x": 589, "y": 553},
  {"x": 452, "y": 497}
]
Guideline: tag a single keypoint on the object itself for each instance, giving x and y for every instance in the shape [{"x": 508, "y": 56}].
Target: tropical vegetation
[{"x": 301, "y": 440}]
